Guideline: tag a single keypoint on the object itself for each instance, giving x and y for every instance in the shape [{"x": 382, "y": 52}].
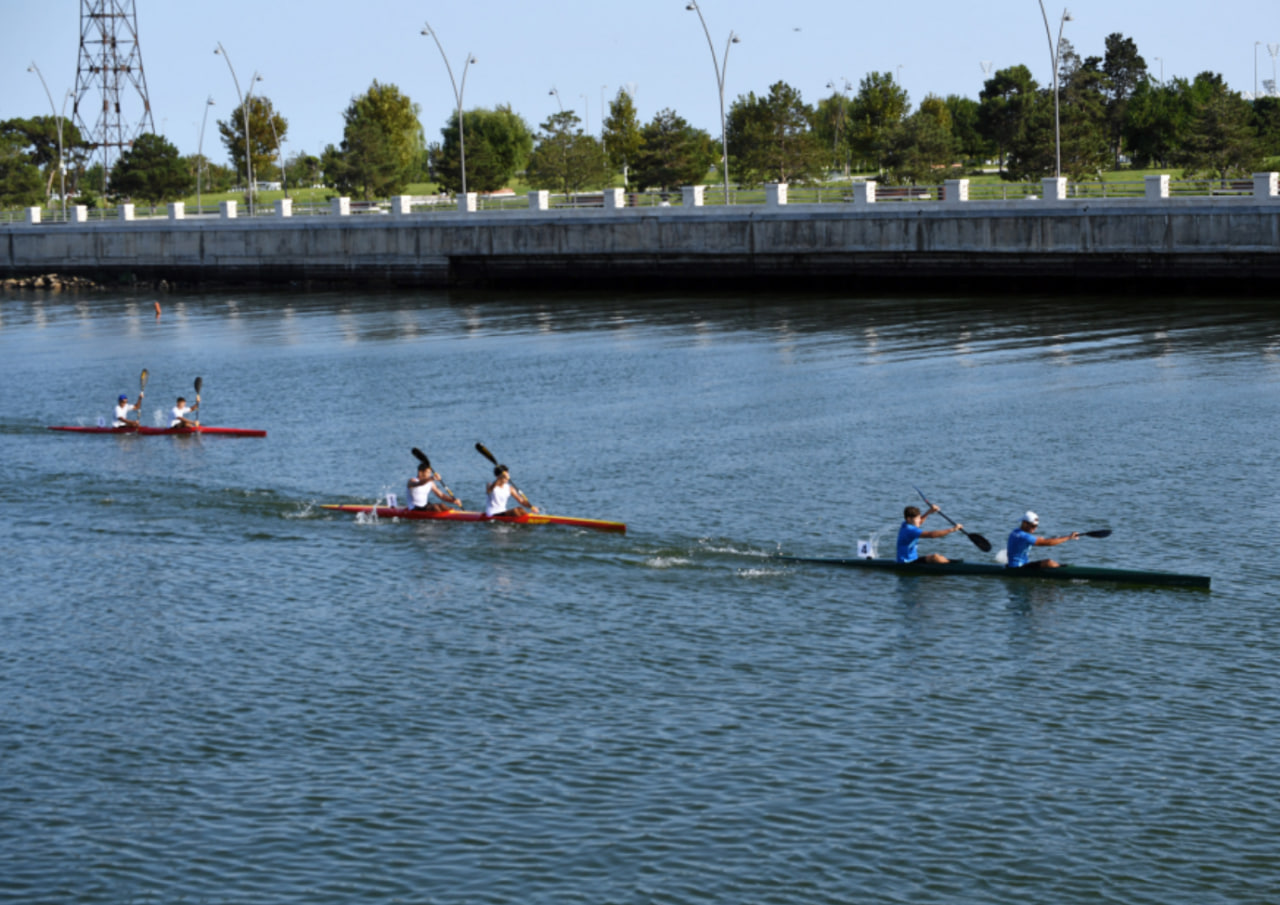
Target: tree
[
  {"x": 771, "y": 139},
  {"x": 152, "y": 171},
  {"x": 20, "y": 182},
  {"x": 36, "y": 139},
  {"x": 1223, "y": 141},
  {"x": 498, "y": 144},
  {"x": 831, "y": 124},
  {"x": 565, "y": 158},
  {"x": 673, "y": 153},
  {"x": 964, "y": 126},
  {"x": 302, "y": 169},
  {"x": 1125, "y": 70},
  {"x": 878, "y": 107},
  {"x": 621, "y": 134},
  {"x": 1157, "y": 122},
  {"x": 381, "y": 143},
  {"x": 263, "y": 119},
  {"x": 1004, "y": 106},
  {"x": 921, "y": 146}
]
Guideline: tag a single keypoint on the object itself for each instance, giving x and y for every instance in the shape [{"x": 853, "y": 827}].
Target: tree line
[{"x": 1111, "y": 111}]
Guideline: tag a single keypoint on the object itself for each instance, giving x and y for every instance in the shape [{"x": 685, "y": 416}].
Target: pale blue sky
[{"x": 315, "y": 56}]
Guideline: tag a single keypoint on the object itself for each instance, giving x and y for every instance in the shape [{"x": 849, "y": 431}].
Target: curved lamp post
[
  {"x": 62, "y": 173},
  {"x": 244, "y": 109},
  {"x": 275, "y": 136},
  {"x": 200, "y": 151},
  {"x": 840, "y": 122},
  {"x": 1053, "y": 56},
  {"x": 555, "y": 91},
  {"x": 458, "y": 91},
  {"x": 720, "y": 67}
]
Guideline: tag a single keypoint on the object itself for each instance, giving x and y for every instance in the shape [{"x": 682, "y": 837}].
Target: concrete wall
[{"x": 1223, "y": 240}]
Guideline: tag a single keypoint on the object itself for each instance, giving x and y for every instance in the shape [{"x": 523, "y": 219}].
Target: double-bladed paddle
[
  {"x": 422, "y": 457},
  {"x": 978, "y": 540},
  {"x": 199, "y": 383},
  {"x": 1104, "y": 532},
  {"x": 480, "y": 448}
]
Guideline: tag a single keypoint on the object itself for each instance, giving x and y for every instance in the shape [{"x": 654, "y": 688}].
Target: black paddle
[
  {"x": 978, "y": 540},
  {"x": 1105, "y": 532},
  {"x": 422, "y": 457},
  {"x": 199, "y": 383},
  {"x": 480, "y": 448}
]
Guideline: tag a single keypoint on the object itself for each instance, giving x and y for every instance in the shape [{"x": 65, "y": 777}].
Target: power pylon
[{"x": 110, "y": 61}]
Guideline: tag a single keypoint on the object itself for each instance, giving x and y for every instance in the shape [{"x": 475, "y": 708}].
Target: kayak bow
[
  {"x": 1062, "y": 573},
  {"x": 461, "y": 515}
]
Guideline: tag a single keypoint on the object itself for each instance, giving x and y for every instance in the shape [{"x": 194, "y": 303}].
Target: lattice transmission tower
[{"x": 110, "y": 65}]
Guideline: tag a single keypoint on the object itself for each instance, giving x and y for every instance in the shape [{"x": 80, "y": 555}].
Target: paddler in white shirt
[
  {"x": 121, "y": 417},
  {"x": 501, "y": 491},
  {"x": 426, "y": 483},
  {"x": 178, "y": 416}
]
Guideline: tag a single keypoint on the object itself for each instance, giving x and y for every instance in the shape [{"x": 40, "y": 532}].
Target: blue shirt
[
  {"x": 908, "y": 537},
  {"x": 1019, "y": 548}
]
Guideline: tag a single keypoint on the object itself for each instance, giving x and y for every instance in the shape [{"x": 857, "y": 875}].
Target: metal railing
[{"x": 713, "y": 196}]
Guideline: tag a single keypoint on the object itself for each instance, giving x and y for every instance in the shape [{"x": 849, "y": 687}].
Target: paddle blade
[
  {"x": 199, "y": 384},
  {"x": 480, "y": 448},
  {"x": 979, "y": 541},
  {"x": 1104, "y": 532},
  {"x": 142, "y": 381},
  {"x": 421, "y": 456}
]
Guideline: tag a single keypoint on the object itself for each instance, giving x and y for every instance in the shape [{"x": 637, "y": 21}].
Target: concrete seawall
[{"x": 1228, "y": 243}]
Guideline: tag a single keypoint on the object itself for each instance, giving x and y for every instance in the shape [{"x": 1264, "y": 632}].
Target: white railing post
[
  {"x": 126, "y": 212},
  {"x": 80, "y": 213},
  {"x": 1155, "y": 187},
  {"x": 401, "y": 205},
  {"x": 1266, "y": 185},
  {"x": 227, "y": 210},
  {"x": 539, "y": 200},
  {"x": 775, "y": 194},
  {"x": 1054, "y": 188},
  {"x": 33, "y": 215},
  {"x": 691, "y": 195},
  {"x": 284, "y": 207},
  {"x": 467, "y": 203},
  {"x": 957, "y": 191},
  {"x": 613, "y": 200},
  {"x": 864, "y": 192},
  {"x": 341, "y": 206},
  {"x": 177, "y": 210}
]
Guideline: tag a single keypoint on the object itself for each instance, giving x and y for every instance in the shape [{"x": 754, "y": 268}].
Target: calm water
[{"x": 213, "y": 691}]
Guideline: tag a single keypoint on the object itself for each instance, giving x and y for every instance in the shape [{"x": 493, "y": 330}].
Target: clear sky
[{"x": 314, "y": 56}]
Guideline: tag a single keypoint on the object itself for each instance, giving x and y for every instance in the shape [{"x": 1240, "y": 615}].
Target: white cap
[{"x": 1030, "y": 518}]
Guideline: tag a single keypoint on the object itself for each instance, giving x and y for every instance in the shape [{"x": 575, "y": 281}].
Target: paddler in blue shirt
[
  {"x": 913, "y": 529},
  {"x": 1023, "y": 538}
]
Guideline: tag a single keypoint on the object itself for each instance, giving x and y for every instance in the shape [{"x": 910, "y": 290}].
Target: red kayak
[
  {"x": 461, "y": 515},
  {"x": 165, "y": 431}
]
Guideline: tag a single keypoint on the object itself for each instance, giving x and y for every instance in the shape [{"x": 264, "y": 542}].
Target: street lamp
[
  {"x": 1256, "y": 45},
  {"x": 200, "y": 151},
  {"x": 271, "y": 121},
  {"x": 1053, "y": 56},
  {"x": 556, "y": 92},
  {"x": 586, "y": 113},
  {"x": 1273, "y": 49},
  {"x": 62, "y": 173},
  {"x": 1160, "y": 60},
  {"x": 835, "y": 147},
  {"x": 457, "y": 94},
  {"x": 244, "y": 109},
  {"x": 720, "y": 67}
]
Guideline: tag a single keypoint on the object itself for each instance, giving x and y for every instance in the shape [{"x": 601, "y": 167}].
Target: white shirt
[
  {"x": 177, "y": 413},
  {"x": 420, "y": 495},
  {"x": 499, "y": 497},
  {"x": 122, "y": 412}
]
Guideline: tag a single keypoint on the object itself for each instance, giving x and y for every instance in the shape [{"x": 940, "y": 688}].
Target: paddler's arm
[{"x": 1054, "y": 541}]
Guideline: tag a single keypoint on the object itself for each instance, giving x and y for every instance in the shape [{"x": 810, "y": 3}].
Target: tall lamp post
[
  {"x": 840, "y": 122},
  {"x": 1256, "y": 45},
  {"x": 200, "y": 151},
  {"x": 1053, "y": 56},
  {"x": 586, "y": 113},
  {"x": 275, "y": 136},
  {"x": 1273, "y": 49},
  {"x": 457, "y": 94},
  {"x": 556, "y": 92},
  {"x": 244, "y": 109},
  {"x": 721, "y": 67},
  {"x": 62, "y": 173}
]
